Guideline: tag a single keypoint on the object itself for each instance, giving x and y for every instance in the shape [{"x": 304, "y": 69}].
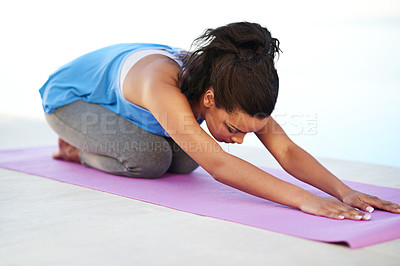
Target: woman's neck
[{"x": 198, "y": 110}]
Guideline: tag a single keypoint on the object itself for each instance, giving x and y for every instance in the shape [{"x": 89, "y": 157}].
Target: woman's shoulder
[{"x": 151, "y": 75}]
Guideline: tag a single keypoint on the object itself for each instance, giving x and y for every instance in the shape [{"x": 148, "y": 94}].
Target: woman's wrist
[{"x": 343, "y": 191}]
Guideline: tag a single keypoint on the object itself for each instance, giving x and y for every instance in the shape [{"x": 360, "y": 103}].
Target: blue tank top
[{"x": 95, "y": 78}]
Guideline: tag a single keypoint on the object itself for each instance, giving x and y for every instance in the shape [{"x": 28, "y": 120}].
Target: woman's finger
[
  {"x": 333, "y": 215},
  {"x": 362, "y": 205},
  {"x": 382, "y": 204},
  {"x": 354, "y": 214},
  {"x": 340, "y": 215},
  {"x": 343, "y": 211}
]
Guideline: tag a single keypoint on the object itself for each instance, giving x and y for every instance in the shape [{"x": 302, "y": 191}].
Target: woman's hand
[
  {"x": 332, "y": 208},
  {"x": 348, "y": 209},
  {"x": 368, "y": 203}
]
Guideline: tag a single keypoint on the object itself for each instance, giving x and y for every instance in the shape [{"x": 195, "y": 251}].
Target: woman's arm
[
  {"x": 298, "y": 162},
  {"x": 171, "y": 108},
  {"x": 160, "y": 95},
  {"x": 306, "y": 168}
]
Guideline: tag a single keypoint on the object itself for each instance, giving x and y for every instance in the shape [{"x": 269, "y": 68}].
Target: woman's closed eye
[{"x": 231, "y": 130}]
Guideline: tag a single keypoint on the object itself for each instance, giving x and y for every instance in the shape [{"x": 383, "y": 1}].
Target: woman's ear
[{"x": 208, "y": 98}]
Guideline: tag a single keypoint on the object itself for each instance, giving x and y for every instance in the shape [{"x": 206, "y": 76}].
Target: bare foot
[{"x": 66, "y": 152}]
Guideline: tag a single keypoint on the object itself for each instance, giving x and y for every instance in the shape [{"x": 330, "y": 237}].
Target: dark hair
[{"x": 237, "y": 61}]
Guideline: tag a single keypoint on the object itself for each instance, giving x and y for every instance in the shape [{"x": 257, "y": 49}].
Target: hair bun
[{"x": 237, "y": 61}]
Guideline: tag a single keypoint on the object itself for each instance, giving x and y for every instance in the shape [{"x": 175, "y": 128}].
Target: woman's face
[
  {"x": 231, "y": 128},
  {"x": 224, "y": 127}
]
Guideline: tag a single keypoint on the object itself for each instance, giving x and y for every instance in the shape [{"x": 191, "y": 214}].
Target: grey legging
[{"x": 112, "y": 144}]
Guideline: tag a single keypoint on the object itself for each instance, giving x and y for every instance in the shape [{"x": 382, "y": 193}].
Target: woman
[{"x": 135, "y": 109}]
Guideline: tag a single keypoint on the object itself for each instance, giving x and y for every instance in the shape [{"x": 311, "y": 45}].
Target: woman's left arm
[{"x": 306, "y": 168}]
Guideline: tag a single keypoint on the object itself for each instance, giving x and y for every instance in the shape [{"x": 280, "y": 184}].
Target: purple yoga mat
[{"x": 199, "y": 193}]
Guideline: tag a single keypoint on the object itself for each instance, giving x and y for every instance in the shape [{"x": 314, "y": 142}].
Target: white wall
[{"x": 339, "y": 70}]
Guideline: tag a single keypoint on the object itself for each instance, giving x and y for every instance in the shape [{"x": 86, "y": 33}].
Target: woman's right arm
[{"x": 172, "y": 110}]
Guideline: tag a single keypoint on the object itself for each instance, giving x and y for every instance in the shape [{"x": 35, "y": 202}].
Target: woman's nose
[{"x": 238, "y": 138}]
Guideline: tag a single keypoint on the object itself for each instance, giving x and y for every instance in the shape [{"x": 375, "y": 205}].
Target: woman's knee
[
  {"x": 153, "y": 166},
  {"x": 150, "y": 161},
  {"x": 183, "y": 166},
  {"x": 181, "y": 162}
]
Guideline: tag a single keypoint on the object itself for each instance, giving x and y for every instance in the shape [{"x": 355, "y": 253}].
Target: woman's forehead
[{"x": 245, "y": 122}]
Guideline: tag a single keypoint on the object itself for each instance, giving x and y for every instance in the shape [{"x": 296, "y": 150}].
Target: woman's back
[{"x": 95, "y": 78}]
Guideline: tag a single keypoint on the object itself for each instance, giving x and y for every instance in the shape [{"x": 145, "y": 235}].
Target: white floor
[{"x": 46, "y": 222}]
